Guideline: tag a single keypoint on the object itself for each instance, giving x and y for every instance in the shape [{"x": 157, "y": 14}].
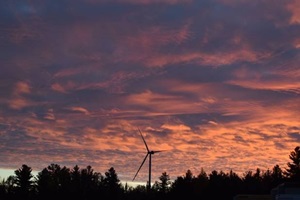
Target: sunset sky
[{"x": 213, "y": 83}]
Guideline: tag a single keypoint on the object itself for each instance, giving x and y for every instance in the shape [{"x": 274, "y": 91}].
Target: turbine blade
[
  {"x": 144, "y": 140},
  {"x": 140, "y": 166},
  {"x": 157, "y": 151}
]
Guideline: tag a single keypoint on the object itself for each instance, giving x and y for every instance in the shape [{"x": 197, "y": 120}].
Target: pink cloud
[
  {"x": 162, "y": 104},
  {"x": 65, "y": 87},
  {"x": 297, "y": 43},
  {"x": 18, "y": 103},
  {"x": 80, "y": 110},
  {"x": 18, "y": 99},
  {"x": 57, "y": 87},
  {"x": 294, "y": 8},
  {"x": 255, "y": 80},
  {"x": 202, "y": 58},
  {"x": 22, "y": 88},
  {"x": 50, "y": 115}
]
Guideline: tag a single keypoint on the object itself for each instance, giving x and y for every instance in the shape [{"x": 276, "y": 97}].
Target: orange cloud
[
  {"x": 64, "y": 87},
  {"x": 161, "y": 104},
  {"x": 294, "y": 8},
  {"x": 18, "y": 100},
  {"x": 80, "y": 110},
  {"x": 18, "y": 103},
  {"x": 224, "y": 143},
  {"x": 287, "y": 86},
  {"x": 50, "y": 115},
  {"x": 57, "y": 87},
  {"x": 255, "y": 80},
  {"x": 202, "y": 58},
  {"x": 297, "y": 43},
  {"x": 21, "y": 88}
]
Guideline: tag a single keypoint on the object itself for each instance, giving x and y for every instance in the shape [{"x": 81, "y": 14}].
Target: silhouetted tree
[
  {"x": 45, "y": 184},
  {"x": 8, "y": 188},
  {"x": 2, "y": 189},
  {"x": 201, "y": 183},
  {"x": 277, "y": 176},
  {"x": 75, "y": 182},
  {"x": 137, "y": 193},
  {"x": 183, "y": 186},
  {"x": 11, "y": 185},
  {"x": 266, "y": 181},
  {"x": 217, "y": 183},
  {"x": 90, "y": 182},
  {"x": 53, "y": 182},
  {"x": 23, "y": 182},
  {"x": 112, "y": 184},
  {"x": 164, "y": 183},
  {"x": 64, "y": 177},
  {"x": 161, "y": 188},
  {"x": 251, "y": 182},
  {"x": 233, "y": 184},
  {"x": 293, "y": 170}
]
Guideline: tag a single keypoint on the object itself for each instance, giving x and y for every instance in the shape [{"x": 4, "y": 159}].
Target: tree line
[{"x": 56, "y": 182}]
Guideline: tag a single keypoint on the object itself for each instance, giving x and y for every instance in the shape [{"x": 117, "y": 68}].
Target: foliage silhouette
[
  {"x": 24, "y": 183},
  {"x": 293, "y": 170},
  {"x": 56, "y": 182}
]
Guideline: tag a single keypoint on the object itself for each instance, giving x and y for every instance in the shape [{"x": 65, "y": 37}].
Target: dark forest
[{"x": 56, "y": 182}]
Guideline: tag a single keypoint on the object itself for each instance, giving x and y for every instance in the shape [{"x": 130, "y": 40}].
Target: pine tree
[
  {"x": 23, "y": 181},
  {"x": 293, "y": 170}
]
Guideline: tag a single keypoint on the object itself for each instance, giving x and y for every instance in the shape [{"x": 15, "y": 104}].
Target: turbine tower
[{"x": 149, "y": 153}]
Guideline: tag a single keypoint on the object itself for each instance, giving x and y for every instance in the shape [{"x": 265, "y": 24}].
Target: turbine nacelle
[{"x": 153, "y": 152}]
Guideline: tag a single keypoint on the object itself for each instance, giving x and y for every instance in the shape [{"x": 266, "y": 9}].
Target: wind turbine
[{"x": 149, "y": 153}]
